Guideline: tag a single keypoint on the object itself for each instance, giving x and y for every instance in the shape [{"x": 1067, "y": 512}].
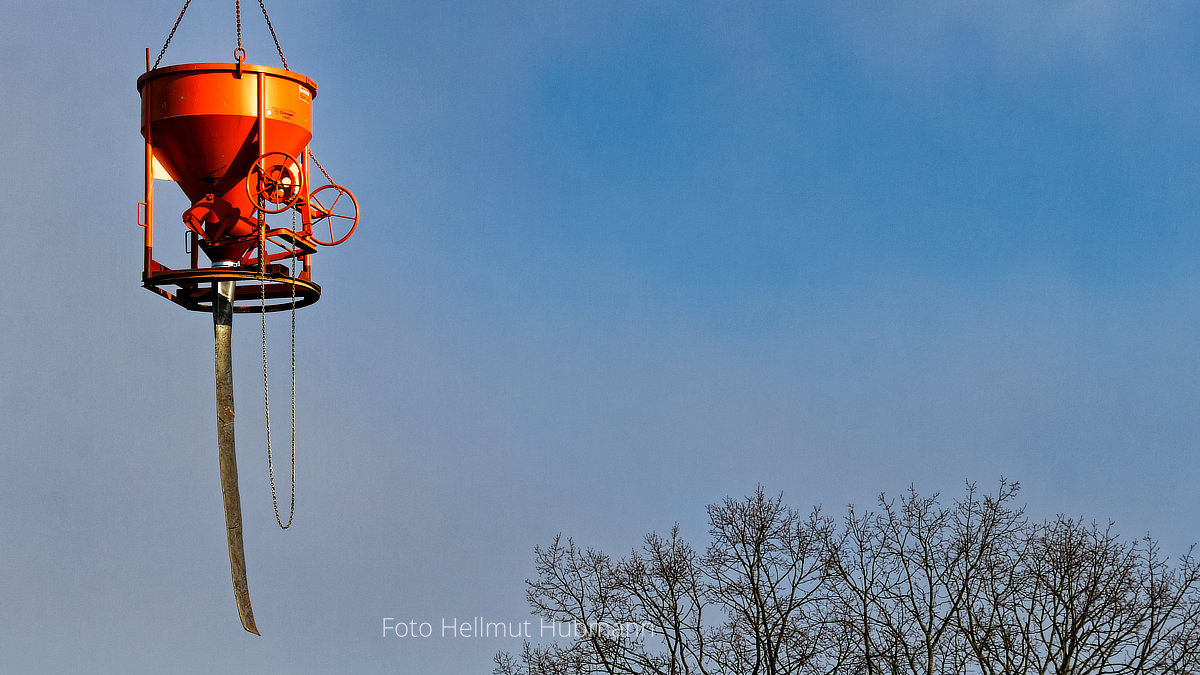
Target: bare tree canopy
[{"x": 916, "y": 586}]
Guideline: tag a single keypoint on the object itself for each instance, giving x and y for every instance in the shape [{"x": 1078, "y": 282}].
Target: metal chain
[
  {"x": 266, "y": 391},
  {"x": 273, "y": 36},
  {"x": 172, "y": 34},
  {"x": 237, "y": 8},
  {"x": 292, "y": 509},
  {"x": 314, "y": 159},
  {"x": 262, "y": 286}
]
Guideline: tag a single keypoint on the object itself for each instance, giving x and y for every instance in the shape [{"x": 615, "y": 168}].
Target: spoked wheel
[
  {"x": 334, "y": 208},
  {"x": 274, "y": 183}
]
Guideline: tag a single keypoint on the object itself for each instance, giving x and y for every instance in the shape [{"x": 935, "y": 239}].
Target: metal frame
[{"x": 195, "y": 288}]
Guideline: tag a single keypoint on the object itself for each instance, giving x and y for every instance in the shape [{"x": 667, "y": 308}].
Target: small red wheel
[
  {"x": 274, "y": 183},
  {"x": 337, "y": 208}
]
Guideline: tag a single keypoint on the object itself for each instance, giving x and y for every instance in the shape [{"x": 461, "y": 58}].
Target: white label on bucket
[{"x": 305, "y": 94}]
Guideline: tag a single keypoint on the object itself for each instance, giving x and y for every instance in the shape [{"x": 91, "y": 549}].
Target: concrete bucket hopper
[
  {"x": 202, "y": 121},
  {"x": 234, "y": 136}
]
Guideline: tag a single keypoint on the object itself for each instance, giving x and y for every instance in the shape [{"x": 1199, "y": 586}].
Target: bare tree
[
  {"x": 611, "y": 608},
  {"x": 855, "y": 557},
  {"x": 905, "y": 574},
  {"x": 581, "y": 588},
  {"x": 1168, "y": 608},
  {"x": 914, "y": 587},
  {"x": 669, "y": 597},
  {"x": 768, "y": 572},
  {"x": 1070, "y": 597},
  {"x": 984, "y": 618}
]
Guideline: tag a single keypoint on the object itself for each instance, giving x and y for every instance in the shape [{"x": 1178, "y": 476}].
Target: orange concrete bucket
[{"x": 233, "y": 136}]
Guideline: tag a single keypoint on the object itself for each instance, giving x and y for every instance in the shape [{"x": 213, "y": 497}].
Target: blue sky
[{"x": 617, "y": 261}]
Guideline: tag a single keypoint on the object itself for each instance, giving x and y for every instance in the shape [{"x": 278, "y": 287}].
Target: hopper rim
[{"x": 226, "y": 68}]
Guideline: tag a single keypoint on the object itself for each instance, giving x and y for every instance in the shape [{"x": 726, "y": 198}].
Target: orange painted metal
[
  {"x": 234, "y": 137},
  {"x": 206, "y": 125}
]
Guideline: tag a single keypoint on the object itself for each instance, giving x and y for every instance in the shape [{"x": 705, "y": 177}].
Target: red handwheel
[
  {"x": 274, "y": 183},
  {"x": 335, "y": 209}
]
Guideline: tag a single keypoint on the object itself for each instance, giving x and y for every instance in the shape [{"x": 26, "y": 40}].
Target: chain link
[
  {"x": 172, "y": 34},
  {"x": 237, "y": 10}
]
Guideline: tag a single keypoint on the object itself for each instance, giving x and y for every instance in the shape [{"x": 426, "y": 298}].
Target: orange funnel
[{"x": 208, "y": 123}]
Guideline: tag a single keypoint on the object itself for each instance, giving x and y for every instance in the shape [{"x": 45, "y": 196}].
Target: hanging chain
[
  {"x": 292, "y": 509},
  {"x": 262, "y": 256},
  {"x": 262, "y": 288},
  {"x": 314, "y": 159},
  {"x": 273, "y": 36},
  {"x": 237, "y": 9},
  {"x": 172, "y": 34}
]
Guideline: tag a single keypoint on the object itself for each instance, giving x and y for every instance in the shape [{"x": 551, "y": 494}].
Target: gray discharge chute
[{"x": 222, "y": 332}]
